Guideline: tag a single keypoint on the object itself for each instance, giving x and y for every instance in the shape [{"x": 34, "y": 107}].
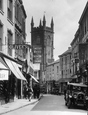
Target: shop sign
[
  {"x": 4, "y": 74},
  {"x": 37, "y": 54}
]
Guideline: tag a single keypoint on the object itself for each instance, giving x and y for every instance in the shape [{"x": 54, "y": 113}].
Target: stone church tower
[{"x": 42, "y": 41}]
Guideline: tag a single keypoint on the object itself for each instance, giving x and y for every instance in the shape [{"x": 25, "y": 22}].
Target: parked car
[{"x": 76, "y": 95}]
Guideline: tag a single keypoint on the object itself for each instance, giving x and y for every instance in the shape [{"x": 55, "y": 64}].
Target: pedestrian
[
  {"x": 30, "y": 93},
  {"x": 65, "y": 90},
  {"x": 25, "y": 91},
  {"x": 38, "y": 91},
  {"x": 35, "y": 91}
]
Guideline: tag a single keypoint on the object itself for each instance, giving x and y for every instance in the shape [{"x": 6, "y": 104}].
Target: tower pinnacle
[
  {"x": 40, "y": 23},
  {"x": 44, "y": 21},
  {"x": 52, "y": 23},
  {"x": 32, "y": 22}
]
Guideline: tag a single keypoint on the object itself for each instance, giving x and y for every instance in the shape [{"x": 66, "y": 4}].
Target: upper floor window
[
  {"x": 62, "y": 72},
  {"x": 70, "y": 70},
  {"x": 85, "y": 27},
  {"x": 70, "y": 57},
  {"x": 18, "y": 14},
  {"x": 53, "y": 68},
  {"x": 62, "y": 59},
  {"x": 1, "y": 36},
  {"x": 10, "y": 9},
  {"x": 1, "y": 4},
  {"x": 66, "y": 60},
  {"x": 57, "y": 69},
  {"x": 48, "y": 52},
  {"x": 10, "y": 37}
]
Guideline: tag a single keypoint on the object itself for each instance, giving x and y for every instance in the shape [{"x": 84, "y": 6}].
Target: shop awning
[
  {"x": 18, "y": 70},
  {"x": 14, "y": 68},
  {"x": 74, "y": 77},
  {"x": 20, "y": 66},
  {"x": 34, "y": 78},
  {"x": 3, "y": 66},
  {"x": 61, "y": 80}
]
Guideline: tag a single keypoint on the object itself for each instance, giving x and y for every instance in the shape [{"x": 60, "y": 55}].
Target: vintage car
[{"x": 76, "y": 95}]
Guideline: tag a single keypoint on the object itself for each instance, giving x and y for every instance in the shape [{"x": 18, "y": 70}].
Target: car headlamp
[
  {"x": 70, "y": 96},
  {"x": 86, "y": 97},
  {"x": 75, "y": 96}
]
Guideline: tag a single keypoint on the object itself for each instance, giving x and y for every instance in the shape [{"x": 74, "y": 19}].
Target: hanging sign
[
  {"x": 37, "y": 54},
  {"x": 4, "y": 74}
]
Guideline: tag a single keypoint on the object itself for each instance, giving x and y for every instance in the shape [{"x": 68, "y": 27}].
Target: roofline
[
  {"x": 85, "y": 9},
  {"x": 65, "y": 53},
  {"x": 75, "y": 36},
  {"x": 24, "y": 11},
  {"x": 57, "y": 61}
]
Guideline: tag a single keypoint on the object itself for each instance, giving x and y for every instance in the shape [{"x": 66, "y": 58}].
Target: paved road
[
  {"x": 49, "y": 105},
  {"x": 54, "y": 103}
]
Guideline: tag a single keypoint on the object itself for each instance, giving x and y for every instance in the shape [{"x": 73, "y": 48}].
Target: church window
[{"x": 48, "y": 41}]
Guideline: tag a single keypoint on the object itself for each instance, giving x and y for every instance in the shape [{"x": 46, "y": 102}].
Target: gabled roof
[
  {"x": 66, "y": 52},
  {"x": 57, "y": 61}
]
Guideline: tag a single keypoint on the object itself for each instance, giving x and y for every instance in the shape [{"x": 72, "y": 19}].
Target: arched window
[{"x": 49, "y": 41}]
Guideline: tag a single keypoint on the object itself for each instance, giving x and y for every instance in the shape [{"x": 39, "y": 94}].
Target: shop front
[
  {"x": 62, "y": 82},
  {"x": 10, "y": 79}
]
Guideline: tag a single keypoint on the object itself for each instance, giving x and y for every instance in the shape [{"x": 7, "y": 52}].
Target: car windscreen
[{"x": 79, "y": 89}]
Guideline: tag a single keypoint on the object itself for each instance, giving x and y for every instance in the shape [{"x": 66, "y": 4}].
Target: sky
[{"x": 66, "y": 15}]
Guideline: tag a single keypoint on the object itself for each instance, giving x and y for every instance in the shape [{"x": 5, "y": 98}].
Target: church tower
[{"x": 42, "y": 41}]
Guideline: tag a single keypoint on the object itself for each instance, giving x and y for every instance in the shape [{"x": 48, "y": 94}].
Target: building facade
[
  {"x": 6, "y": 25},
  {"x": 53, "y": 74},
  {"x": 75, "y": 55},
  {"x": 20, "y": 32},
  {"x": 66, "y": 68},
  {"x": 79, "y": 47},
  {"x": 83, "y": 39},
  {"x": 12, "y": 47}
]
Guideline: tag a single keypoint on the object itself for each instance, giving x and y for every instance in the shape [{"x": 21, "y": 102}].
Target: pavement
[{"x": 17, "y": 104}]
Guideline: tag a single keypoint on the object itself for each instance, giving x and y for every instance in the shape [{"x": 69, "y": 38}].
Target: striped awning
[{"x": 14, "y": 68}]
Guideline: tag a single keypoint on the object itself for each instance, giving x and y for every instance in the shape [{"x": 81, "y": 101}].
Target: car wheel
[{"x": 69, "y": 103}]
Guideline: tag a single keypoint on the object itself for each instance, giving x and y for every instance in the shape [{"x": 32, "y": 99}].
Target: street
[{"x": 48, "y": 105}]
